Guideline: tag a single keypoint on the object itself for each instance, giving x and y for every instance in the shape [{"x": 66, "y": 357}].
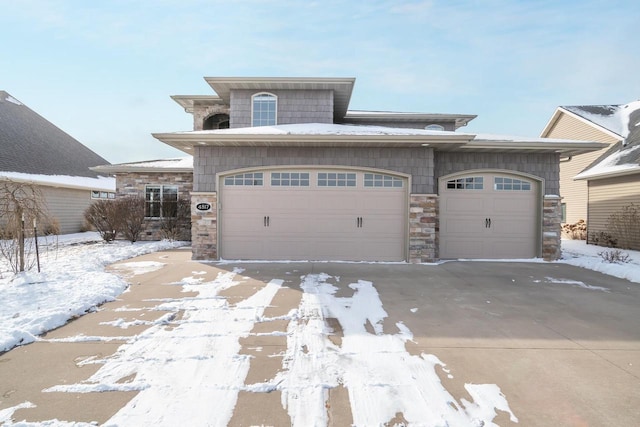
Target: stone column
[
  {"x": 424, "y": 228},
  {"x": 551, "y": 228},
  {"x": 204, "y": 226}
]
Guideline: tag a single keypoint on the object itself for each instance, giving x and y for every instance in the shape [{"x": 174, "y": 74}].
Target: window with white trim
[
  {"x": 468, "y": 183},
  {"x": 289, "y": 179},
  {"x": 95, "y": 194},
  {"x": 249, "y": 178},
  {"x": 263, "y": 109},
  {"x": 161, "y": 201},
  {"x": 381, "y": 180},
  {"x": 510, "y": 184},
  {"x": 336, "y": 179}
]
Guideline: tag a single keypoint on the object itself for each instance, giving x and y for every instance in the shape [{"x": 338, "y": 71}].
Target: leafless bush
[
  {"x": 177, "y": 220},
  {"x": 22, "y": 207},
  {"x": 614, "y": 256},
  {"x": 104, "y": 216},
  {"x": 602, "y": 238},
  {"x": 577, "y": 231},
  {"x": 624, "y": 227},
  {"x": 131, "y": 213}
]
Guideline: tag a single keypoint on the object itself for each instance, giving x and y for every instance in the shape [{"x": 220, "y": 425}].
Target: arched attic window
[
  {"x": 263, "y": 109},
  {"x": 217, "y": 121}
]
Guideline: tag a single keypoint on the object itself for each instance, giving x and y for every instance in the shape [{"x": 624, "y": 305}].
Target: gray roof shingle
[{"x": 31, "y": 144}]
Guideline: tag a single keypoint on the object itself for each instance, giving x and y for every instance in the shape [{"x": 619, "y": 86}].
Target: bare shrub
[
  {"x": 577, "y": 231},
  {"x": 176, "y": 221},
  {"x": 22, "y": 206},
  {"x": 614, "y": 256},
  {"x": 104, "y": 216},
  {"x": 624, "y": 227},
  {"x": 602, "y": 238},
  {"x": 131, "y": 213}
]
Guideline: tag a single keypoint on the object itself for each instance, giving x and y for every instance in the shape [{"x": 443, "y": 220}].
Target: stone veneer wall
[
  {"x": 551, "y": 228},
  {"x": 423, "y": 228},
  {"x": 134, "y": 183},
  {"x": 204, "y": 227}
]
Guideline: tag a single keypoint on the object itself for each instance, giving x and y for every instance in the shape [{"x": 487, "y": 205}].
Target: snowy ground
[{"x": 73, "y": 282}]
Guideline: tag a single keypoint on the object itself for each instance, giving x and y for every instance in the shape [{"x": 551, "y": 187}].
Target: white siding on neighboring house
[
  {"x": 574, "y": 193},
  {"x": 67, "y": 206},
  {"x": 607, "y": 196}
]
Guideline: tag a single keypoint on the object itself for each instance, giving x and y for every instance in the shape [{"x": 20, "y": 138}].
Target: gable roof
[
  {"x": 30, "y": 144},
  {"x": 621, "y": 121}
]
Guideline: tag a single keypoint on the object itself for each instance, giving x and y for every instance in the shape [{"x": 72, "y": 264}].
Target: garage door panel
[
  {"x": 314, "y": 223},
  {"x": 496, "y": 221}
]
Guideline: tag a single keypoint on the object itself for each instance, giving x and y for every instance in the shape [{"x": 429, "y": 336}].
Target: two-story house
[{"x": 282, "y": 169}]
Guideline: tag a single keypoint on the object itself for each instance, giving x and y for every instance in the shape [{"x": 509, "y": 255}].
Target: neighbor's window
[
  {"x": 161, "y": 201},
  {"x": 289, "y": 179},
  {"x": 510, "y": 184},
  {"x": 264, "y": 107},
  {"x": 564, "y": 212},
  {"x": 381, "y": 180},
  {"x": 102, "y": 195},
  {"x": 336, "y": 179},
  {"x": 469, "y": 183},
  {"x": 251, "y": 178}
]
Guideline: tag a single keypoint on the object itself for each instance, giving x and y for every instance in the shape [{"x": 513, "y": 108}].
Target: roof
[
  {"x": 621, "y": 122},
  {"x": 355, "y": 116},
  {"x": 179, "y": 164},
  {"x": 30, "y": 144},
  {"x": 340, "y": 135}
]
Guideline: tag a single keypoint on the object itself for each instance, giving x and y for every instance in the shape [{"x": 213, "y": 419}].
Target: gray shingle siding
[
  {"x": 294, "y": 106},
  {"x": 417, "y": 162},
  {"x": 543, "y": 165}
]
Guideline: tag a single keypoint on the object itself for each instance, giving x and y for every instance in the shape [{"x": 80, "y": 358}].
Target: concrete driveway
[{"x": 561, "y": 343}]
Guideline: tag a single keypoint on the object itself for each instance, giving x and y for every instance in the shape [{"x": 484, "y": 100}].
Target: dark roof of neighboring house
[
  {"x": 623, "y": 157},
  {"x": 31, "y": 144}
]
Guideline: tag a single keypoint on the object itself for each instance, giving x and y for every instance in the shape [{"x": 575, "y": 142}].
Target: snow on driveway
[{"x": 183, "y": 370}]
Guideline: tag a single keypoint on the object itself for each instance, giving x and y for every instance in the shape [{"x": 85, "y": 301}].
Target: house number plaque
[{"x": 203, "y": 207}]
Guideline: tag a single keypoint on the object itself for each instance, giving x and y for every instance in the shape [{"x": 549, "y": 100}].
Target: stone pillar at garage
[{"x": 204, "y": 225}]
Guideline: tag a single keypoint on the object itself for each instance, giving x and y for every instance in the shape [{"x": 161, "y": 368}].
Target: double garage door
[
  {"x": 313, "y": 214},
  {"x": 489, "y": 215}
]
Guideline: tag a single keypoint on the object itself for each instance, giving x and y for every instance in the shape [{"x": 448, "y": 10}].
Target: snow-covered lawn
[{"x": 73, "y": 282}]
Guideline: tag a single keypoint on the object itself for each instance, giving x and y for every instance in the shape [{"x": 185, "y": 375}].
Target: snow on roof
[
  {"x": 178, "y": 162},
  {"x": 614, "y": 118},
  {"x": 620, "y": 162},
  {"x": 79, "y": 182},
  {"x": 321, "y": 129}
]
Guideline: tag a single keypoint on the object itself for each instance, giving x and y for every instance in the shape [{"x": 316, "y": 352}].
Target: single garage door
[
  {"x": 489, "y": 215},
  {"x": 313, "y": 214}
]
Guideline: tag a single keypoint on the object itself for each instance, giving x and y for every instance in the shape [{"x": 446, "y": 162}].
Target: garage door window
[
  {"x": 336, "y": 179},
  {"x": 510, "y": 184},
  {"x": 290, "y": 179},
  {"x": 380, "y": 180},
  {"x": 469, "y": 183},
  {"x": 254, "y": 178}
]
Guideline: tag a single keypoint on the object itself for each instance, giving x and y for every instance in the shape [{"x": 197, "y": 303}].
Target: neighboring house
[
  {"x": 597, "y": 184},
  {"x": 160, "y": 182},
  {"x": 33, "y": 150},
  {"x": 283, "y": 170}
]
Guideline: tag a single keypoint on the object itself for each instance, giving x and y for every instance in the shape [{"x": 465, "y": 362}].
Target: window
[
  {"x": 510, "y": 184},
  {"x": 290, "y": 179},
  {"x": 336, "y": 179},
  {"x": 469, "y": 183},
  {"x": 380, "y": 180},
  {"x": 434, "y": 127},
  {"x": 161, "y": 201},
  {"x": 264, "y": 107},
  {"x": 250, "y": 178},
  {"x": 564, "y": 212},
  {"x": 102, "y": 195}
]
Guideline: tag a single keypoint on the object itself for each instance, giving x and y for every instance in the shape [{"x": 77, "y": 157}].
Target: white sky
[{"x": 104, "y": 71}]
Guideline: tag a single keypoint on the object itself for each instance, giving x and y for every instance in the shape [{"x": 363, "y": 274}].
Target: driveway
[{"x": 462, "y": 343}]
